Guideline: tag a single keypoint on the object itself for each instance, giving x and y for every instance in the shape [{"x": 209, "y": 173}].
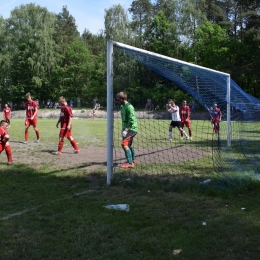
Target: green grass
[
  {"x": 85, "y": 131},
  {"x": 52, "y": 212}
]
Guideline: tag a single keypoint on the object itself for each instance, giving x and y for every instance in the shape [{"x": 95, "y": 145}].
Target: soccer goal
[{"x": 150, "y": 80}]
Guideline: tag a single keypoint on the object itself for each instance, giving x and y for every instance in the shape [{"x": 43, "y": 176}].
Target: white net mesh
[{"x": 142, "y": 74}]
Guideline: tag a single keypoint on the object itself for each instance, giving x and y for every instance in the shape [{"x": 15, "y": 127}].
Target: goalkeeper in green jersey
[{"x": 129, "y": 128}]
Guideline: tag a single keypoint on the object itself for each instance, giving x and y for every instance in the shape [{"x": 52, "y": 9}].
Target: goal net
[{"x": 150, "y": 80}]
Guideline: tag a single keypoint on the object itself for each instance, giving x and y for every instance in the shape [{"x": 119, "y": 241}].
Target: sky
[{"x": 89, "y": 14}]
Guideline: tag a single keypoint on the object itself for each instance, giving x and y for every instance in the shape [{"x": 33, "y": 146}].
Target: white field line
[{"x": 36, "y": 207}]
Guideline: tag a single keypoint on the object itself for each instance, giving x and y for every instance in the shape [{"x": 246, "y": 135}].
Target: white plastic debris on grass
[
  {"x": 206, "y": 181},
  {"x": 124, "y": 207},
  {"x": 243, "y": 208},
  {"x": 176, "y": 251},
  {"x": 128, "y": 179},
  {"x": 204, "y": 223}
]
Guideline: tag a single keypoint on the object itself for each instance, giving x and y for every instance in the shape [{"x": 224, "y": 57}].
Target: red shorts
[
  {"x": 32, "y": 122},
  {"x": 186, "y": 123},
  {"x": 214, "y": 121},
  {"x": 64, "y": 132}
]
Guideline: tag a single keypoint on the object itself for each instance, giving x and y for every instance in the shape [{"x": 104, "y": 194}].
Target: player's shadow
[{"x": 16, "y": 142}]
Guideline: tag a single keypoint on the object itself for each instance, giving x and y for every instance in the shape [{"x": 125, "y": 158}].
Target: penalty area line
[{"x": 53, "y": 201}]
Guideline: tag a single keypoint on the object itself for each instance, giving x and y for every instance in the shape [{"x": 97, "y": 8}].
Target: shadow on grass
[{"x": 59, "y": 214}]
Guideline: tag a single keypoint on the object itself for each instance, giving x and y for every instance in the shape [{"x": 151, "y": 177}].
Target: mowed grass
[{"x": 58, "y": 213}]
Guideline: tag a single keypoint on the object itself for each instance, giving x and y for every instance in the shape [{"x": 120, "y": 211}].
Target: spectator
[
  {"x": 192, "y": 105},
  {"x": 149, "y": 103},
  {"x": 97, "y": 106},
  {"x": 94, "y": 102},
  {"x": 117, "y": 105},
  {"x": 93, "y": 113}
]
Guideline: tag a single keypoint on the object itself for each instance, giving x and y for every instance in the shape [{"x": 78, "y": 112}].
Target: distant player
[
  {"x": 31, "y": 108},
  {"x": 65, "y": 122},
  {"x": 185, "y": 118},
  {"x": 7, "y": 113},
  {"x": 4, "y": 141},
  {"x": 129, "y": 128},
  {"x": 216, "y": 115},
  {"x": 176, "y": 120}
]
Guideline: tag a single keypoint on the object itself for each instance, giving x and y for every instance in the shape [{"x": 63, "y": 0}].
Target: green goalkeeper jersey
[{"x": 128, "y": 117}]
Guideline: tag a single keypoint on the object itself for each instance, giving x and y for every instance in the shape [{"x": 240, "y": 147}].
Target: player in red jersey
[
  {"x": 4, "y": 144},
  {"x": 185, "y": 118},
  {"x": 65, "y": 122},
  {"x": 31, "y": 108},
  {"x": 7, "y": 113},
  {"x": 216, "y": 115}
]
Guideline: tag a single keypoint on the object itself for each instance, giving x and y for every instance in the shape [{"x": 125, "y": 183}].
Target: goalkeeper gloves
[{"x": 124, "y": 132}]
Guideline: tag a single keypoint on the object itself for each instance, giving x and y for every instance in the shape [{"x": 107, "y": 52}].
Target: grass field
[{"x": 51, "y": 207}]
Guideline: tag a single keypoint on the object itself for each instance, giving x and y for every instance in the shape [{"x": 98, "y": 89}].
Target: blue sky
[{"x": 88, "y": 14}]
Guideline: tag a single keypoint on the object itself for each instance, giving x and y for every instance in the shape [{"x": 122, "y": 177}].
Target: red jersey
[
  {"x": 65, "y": 114},
  {"x": 7, "y": 113},
  {"x": 216, "y": 114},
  {"x": 3, "y": 133},
  {"x": 184, "y": 113},
  {"x": 30, "y": 107}
]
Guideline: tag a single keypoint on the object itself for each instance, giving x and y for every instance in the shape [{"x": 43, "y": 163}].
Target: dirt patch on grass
[{"x": 94, "y": 159}]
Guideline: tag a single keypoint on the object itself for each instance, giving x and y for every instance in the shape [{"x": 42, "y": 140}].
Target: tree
[
  {"x": 5, "y": 63},
  {"x": 141, "y": 19},
  {"x": 116, "y": 24},
  {"x": 189, "y": 16},
  {"x": 30, "y": 30},
  {"x": 73, "y": 78},
  {"x": 95, "y": 43},
  {"x": 160, "y": 38},
  {"x": 211, "y": 46},
  {"x": 65, "y": 29},
  {"x": 214, "y": 10}
]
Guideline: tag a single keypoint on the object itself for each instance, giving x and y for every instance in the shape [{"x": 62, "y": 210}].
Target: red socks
[
  {"x": 74, "y": 144},
  {"x": 37, "y": 134},
  {"x": 8, "y": 152},
  {"x": 61, "y": 143},
  {"x": 26, "y": 135}
]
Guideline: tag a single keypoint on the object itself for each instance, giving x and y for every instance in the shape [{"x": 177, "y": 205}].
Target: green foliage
[
  {"x": 141, "y": 19},
  {"x": 65, "y": 30},
  {"x": 73, "y": 78},
  {"x": 38, "y": 49},
  {"x": 158, "y": 36},
  {"x": 116, "y": 24},
  {"x": 55, "y": 209},
  {"x": 211, "y": 46},
  {"x": 32, "y": 49}
]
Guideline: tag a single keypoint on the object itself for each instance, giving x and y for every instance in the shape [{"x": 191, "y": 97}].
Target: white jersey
[{"x": 175, "y": 114}]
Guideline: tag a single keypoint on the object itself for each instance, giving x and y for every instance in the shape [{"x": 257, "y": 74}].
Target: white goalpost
[{"x": 110, "y": 113}]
